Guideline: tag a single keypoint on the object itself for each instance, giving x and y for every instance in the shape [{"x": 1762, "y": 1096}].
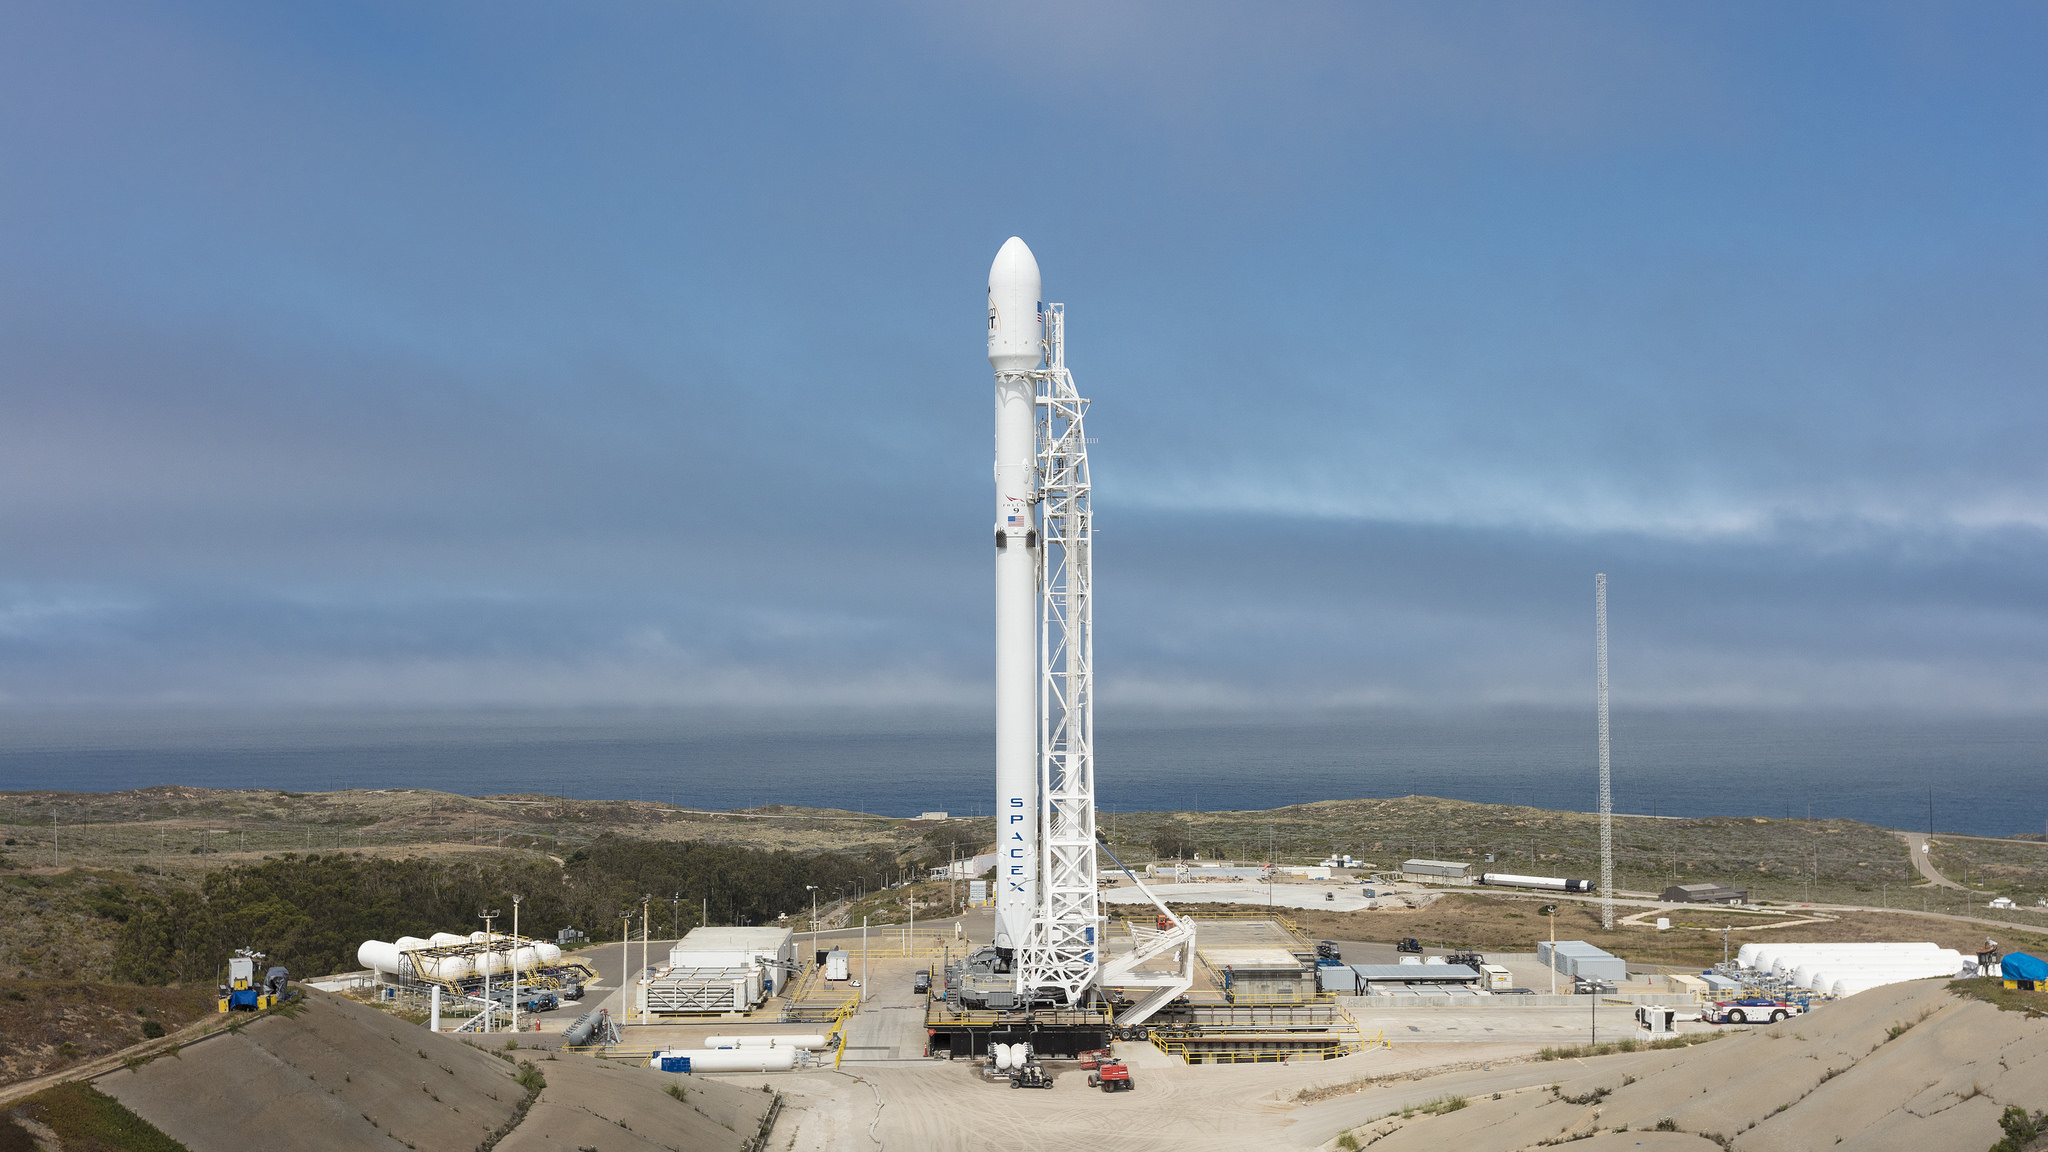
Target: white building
[{"x": 771, "y": 949}]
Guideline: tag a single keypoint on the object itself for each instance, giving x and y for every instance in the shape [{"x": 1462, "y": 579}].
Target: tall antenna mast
[{"x": 1606, "y": 770}]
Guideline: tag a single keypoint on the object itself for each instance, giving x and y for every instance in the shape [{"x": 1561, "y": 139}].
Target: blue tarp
[{"x": 2020, "y": 966}]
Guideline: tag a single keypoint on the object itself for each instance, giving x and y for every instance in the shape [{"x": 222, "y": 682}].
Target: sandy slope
[
  {"x": 343, "y": 1076},
  {"x": 1835, "y": 1078}
]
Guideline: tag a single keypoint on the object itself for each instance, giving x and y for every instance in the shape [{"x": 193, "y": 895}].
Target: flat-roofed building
[
  {"x": 1705, "y": 894},
  {"x": 1438, "y": 871}
]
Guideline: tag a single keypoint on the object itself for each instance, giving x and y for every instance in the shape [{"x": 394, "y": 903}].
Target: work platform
[{"x": 1049, "y": 1031}]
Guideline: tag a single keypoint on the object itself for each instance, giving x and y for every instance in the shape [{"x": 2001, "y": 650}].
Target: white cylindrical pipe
[
  {"x": 798, "y": 1040},
  {"x": 1016, "y": 335},
  {"x": 730, "y": 1059}
]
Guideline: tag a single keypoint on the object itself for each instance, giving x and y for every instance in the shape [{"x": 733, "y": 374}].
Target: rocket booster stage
[{"x": 1016, "y": 333}]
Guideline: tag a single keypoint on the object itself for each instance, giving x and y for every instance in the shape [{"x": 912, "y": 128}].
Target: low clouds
[{"x": 430, "y": 358}]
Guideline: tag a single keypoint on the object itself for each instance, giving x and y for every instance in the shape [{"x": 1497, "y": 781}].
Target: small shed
[{"x": 1705, "y": 894}]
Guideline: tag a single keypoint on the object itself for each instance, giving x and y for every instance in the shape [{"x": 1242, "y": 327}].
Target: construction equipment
[
  {"x": 1112, "y": 1076},
  {"x": 244, "y": 993}
]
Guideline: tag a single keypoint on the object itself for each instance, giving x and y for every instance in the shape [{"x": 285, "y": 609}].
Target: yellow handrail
[{"x": 838, "y": 1030}]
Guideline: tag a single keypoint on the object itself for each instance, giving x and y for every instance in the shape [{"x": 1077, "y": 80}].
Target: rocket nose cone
[
  {"x": 1014, "y": 265},
  {"x": 1016, "y": 314}
]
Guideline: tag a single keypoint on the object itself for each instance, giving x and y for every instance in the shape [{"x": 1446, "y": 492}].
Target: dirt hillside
[
  {"x": 338, "y": 1076},
  {"x": 1908, "y": 1067}
]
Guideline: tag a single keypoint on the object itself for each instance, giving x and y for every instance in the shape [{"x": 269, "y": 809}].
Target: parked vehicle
[
  {"x": 1409, "y": 944},
  {"x": 529, "y": 1000},
  {"x": 1754, "y": 1010},
  {"x": 923, "y": 983},
  {"x": 1114, "y": 1076},
  {"x": 1031, "y": 1075}
]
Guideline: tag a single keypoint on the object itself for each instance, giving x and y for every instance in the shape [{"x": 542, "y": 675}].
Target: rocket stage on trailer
[{"x": 1049, "y": 1031}]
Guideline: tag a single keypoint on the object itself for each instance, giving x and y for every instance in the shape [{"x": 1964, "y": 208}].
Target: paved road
[{"x": 1916, "y": 847}]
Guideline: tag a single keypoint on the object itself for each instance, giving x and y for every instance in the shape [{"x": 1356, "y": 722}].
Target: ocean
[{"x": 1983, "y": 776}]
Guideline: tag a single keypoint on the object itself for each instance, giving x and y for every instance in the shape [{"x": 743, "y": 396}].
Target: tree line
[{"x": 310, "y": 912}]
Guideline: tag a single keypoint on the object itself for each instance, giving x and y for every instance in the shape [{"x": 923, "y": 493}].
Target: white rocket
[{"x": 1016, "y": 342}]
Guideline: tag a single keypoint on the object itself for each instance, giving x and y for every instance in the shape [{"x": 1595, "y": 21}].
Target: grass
[
  {"x": 1610, "y": 1047},
  {"x": 85, "y": 1120},
  {"x": 48, "y": 1024},
  {"x": 1994, "y": 992}
]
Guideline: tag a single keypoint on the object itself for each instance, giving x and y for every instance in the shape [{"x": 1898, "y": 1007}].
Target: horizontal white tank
[
  {"x": 731, "y": 1059},
  {"x": 1000, "y": 1054},
  {"x": 803, "y": 1040},
  {"x": 449, "y": 969},
  {"x": 380, "y": 956},
  {"x": 549, "y": 953},
  {"x": 408, "y": 943},
  {"x": 448, "y": 939}
]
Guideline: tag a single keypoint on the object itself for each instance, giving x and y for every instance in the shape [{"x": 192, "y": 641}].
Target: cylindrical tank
[
  {"x": 1000, "y": 1054},
  {"x": 408, "y": 943},
  {"x": 479, "y": 937},
  {"x": 579, "y": 1032},
  {"x": 380, "y": 956},
  {"x": 448, "y": 939},
  {"x": 728, "y": 1059},
  {"x": 448, "y": 969},
  {"x": 492, "y": 964},
  {"x": 804, "y": 1040},
  {"x": 549, "y": 953}
]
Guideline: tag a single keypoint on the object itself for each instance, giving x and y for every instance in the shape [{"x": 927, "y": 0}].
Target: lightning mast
[{"x": 1606, "y": 774}]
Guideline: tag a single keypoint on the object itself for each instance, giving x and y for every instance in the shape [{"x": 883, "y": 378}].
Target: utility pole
[
  {"x": 645, "y": 900},
  {"x": 515, "y": 961},
  {"x": 490, "y": 947},
  {"x": 1606, "y": 775},
  {"x": 1550, "y": 910},
  {"x": 813, "y": 888}
]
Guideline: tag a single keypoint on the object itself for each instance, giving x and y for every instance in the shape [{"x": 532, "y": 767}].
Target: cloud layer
[{"x": 442, "y": 355}]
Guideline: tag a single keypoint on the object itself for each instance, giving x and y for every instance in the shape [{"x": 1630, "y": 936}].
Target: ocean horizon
[{"x": 1985, "y": 776}]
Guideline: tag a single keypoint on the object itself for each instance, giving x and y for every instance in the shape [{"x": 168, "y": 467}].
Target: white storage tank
[
  {"x": 798, "y": 1040},
  {"x": 380, "y": 956},
  {"x": 724, "y": 1060}
]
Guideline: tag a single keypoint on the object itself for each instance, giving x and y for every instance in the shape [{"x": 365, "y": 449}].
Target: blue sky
[{"x": 454, "y": 355}]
